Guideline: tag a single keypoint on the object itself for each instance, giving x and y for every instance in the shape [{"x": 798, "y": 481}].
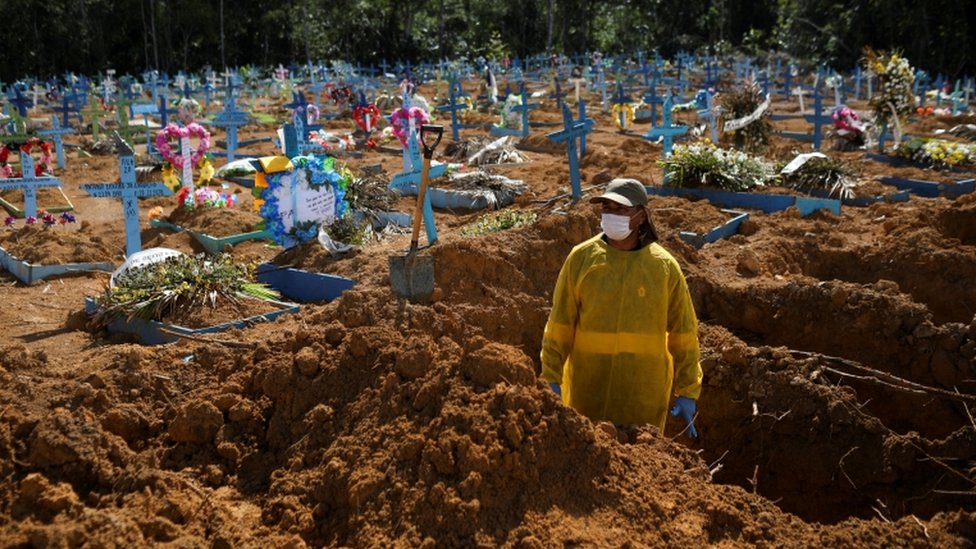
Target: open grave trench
[{"x": 834, "y": 391}]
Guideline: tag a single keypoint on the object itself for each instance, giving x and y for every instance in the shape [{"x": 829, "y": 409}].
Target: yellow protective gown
[{"x": 622, "y": 332}]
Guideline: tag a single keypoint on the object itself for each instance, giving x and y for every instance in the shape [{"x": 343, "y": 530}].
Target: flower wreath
[
  {"x": 320, "y": 171},
  {"x": 41, "y": 166},
  {"x": 191, "y": 130},
  {"x": 622, "y": 108},
  {"x": 360, "y": 113},
  {"x": 400, "y": 120},
  {"x": 340, "y": 94}
]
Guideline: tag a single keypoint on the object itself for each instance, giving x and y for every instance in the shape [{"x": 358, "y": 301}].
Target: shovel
[{"x": 412, "y": 275}]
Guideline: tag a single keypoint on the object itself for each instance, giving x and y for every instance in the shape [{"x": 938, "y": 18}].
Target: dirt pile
[{"x": 839, "y": 353}]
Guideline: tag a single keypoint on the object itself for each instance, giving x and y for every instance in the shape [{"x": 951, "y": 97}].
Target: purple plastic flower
[
  {"x": 66, "y": 218},
  {"x": 9, "y": 221},
  {"x": 30, "y": 220}
]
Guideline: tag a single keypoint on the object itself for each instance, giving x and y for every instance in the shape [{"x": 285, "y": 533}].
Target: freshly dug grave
[{"x": 838, "y": 353}]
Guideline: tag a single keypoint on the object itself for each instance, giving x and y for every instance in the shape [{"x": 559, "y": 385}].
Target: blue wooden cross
[
  {"x": 230, "y": 118},
  {"x": 583, "y": 119},
  {"x": 28, "y": 182},
  {"x": 667, "y": 131},
  {"x": 653, "y": 99},
  {"x": 620, "y": 99},
  {"x": 163, "y": 109},
  {"x": 710, "y": 113},
  {"x": 818, "y": 119},
  {"x": 66, "y": 109},
  {"x": 409, "y": 179},
  {"x": 55, "y": 133},
  {"x": 568, "y": 135},
  {"x": 557, "y": 94},
  {"x": 145, "y": 109},
  {"x": 453, "y": 106},
  {"x": 129, "y": 191},
  {"x": 524, "y": 109},
  {"x": 18, "y": 100}
]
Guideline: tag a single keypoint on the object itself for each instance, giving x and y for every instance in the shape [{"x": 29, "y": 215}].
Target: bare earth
[{"x": 839, "y": 371}]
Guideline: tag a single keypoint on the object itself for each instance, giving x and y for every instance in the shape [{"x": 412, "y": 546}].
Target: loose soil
[{"x": 838, "y": 353}]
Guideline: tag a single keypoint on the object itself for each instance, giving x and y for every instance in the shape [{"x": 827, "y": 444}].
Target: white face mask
[{"x": 615, "y": 226}]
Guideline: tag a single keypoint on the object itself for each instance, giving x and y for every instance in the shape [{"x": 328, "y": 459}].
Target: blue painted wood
[
  {"x": 930, "y": 189},
  {"x": 818, "y": 119},
  {"x": 710, "y": 114},
  {"x": 56, "y": 133},
  {"x": 410, "y": 177},
  {"x": 30, "y": 273},
  {"x": 454, "y": 105},
  {"x": 571, "y": 131},
  {"x": 724, "y": 230},
  {"x": 768, "y": 203},
  {"x": 28, "y": 183},
  {"x": 667, "y": 130},
  {"x": 129, "y": 191},
  {"x": 230, "y": 119},
  {"x": 151, "y": 332},
  {"x": 303, "y": 286},
  {"x": 19, "y": 101}
]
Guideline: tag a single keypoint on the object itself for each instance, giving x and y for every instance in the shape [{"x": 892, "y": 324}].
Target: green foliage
[
  {"x": 741, "y": 101},
  {"x": 49, "y": 37},
  {"x": 705, "y": 165},
  {"x": 349, "y": 230},
  {"x": 938, "y": 153},
  {"x": 178, "y": 286},
  {"x": 499, "y": 221},
  {"x": 835, "y": 176}
]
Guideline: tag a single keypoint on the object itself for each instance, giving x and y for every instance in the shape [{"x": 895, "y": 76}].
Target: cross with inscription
[{"x": 129, "y": 191}]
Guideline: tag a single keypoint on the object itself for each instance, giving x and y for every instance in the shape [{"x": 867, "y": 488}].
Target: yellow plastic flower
[
  {"x": 170, "y": 179},
  {"x": 258, "y": 202}
]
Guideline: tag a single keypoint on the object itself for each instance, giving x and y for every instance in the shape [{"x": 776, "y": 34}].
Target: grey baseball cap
[{"x": 628, "y": 192}]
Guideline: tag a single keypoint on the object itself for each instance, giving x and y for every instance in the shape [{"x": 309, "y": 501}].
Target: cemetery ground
[{"x": 838, "y": 355}]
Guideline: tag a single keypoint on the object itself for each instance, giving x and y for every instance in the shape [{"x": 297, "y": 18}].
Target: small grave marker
[
  {"x": 230, "y": 118},
  {"x": 453, "y": 106},
  {"x": 572, "y": 130},
  {"x": 56, "y": 132},
  {"x": 129, "y": 191},
  {"x": 667, "y": 130},
  {"x": 28, "y": 182}
]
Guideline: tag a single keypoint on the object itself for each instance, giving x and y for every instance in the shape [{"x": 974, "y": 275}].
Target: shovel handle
[{"x": 425, "y": 131}]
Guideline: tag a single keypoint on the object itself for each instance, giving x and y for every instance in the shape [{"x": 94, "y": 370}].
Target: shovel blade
[{"x": 412, "y": 276}]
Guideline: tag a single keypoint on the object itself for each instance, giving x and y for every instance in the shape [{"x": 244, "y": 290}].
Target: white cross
[{"x": 799, "y": 92}]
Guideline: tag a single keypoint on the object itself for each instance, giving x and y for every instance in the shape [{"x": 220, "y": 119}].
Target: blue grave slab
[
  {"x": 30, "y": 273},
  {"x": 303, "y": 286},
  {"x": 767, "y": 203},
  {"x": 724, "y": 230},
  {"x": 152, "y": 332},
  {"x": 930, "y": 189}
]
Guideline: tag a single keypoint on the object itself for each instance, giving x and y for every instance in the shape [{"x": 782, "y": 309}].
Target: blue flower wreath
[{"x": 320, "y": 171}]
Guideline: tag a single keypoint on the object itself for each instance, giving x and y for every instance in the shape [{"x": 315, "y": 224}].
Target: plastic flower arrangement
[
  {"x": 173, "y": 170},
  {"x": 41, "y": 165},
  {"x": 938, "y": 153},
  {"x": 741, "y": 102},
  {"x": 895, "y": 99},
  {"x": 705, "y": 165},
  {"x": 205, "y": 197},
  {"x": 45, "y": 218}
]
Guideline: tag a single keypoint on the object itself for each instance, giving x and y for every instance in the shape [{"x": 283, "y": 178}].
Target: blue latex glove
[
  {"x": 686, "y": 408},
  {"x": 556, "y": 389}
]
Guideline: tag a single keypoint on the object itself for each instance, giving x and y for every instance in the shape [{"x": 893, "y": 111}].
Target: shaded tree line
[{"x": 47, "y": 37}]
